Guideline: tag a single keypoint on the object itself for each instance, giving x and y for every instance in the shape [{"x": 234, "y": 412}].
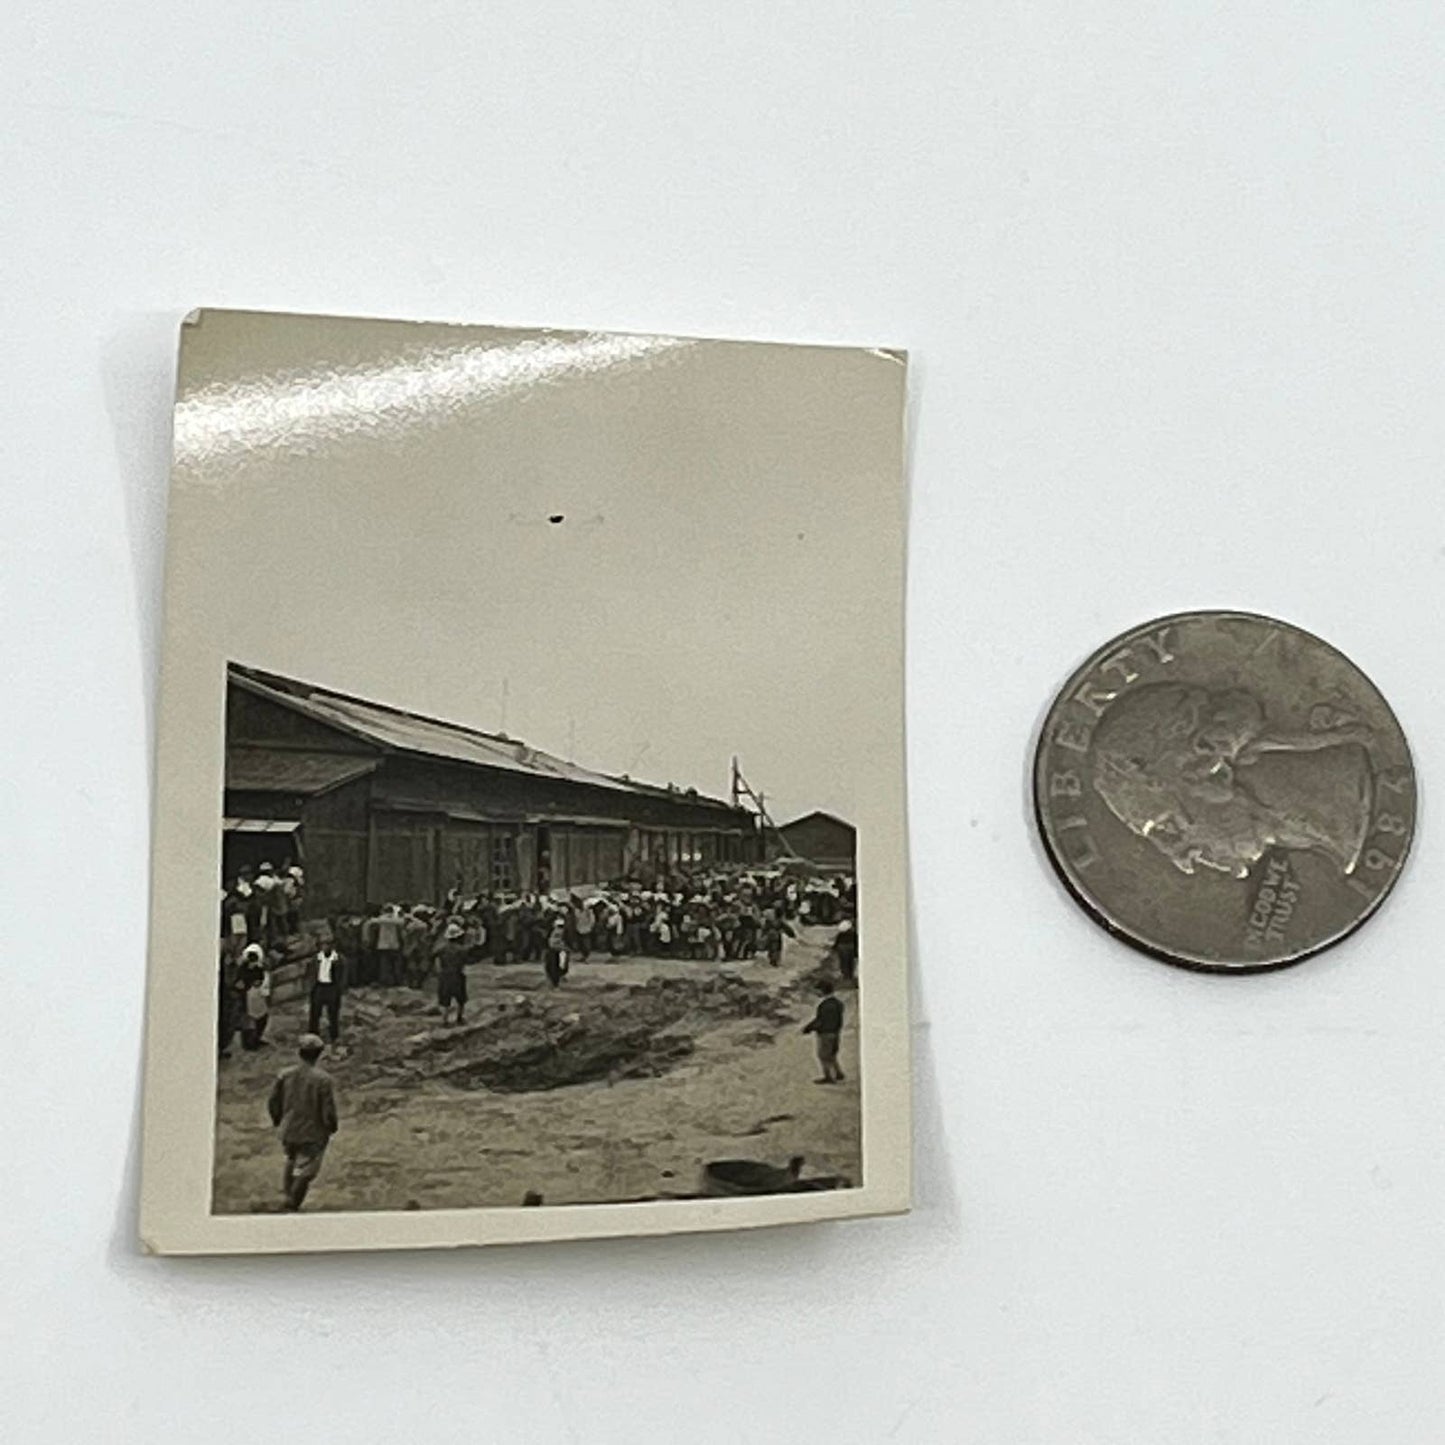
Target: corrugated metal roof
[
  {"x": 410, "y": 732},
  {"x": 286, "y": 770},
  {"x": 447, "y": 740}
]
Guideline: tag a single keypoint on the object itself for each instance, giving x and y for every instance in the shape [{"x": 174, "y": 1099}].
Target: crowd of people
[
  {"x": 722, "y": 915},
  {"x": 733, "y": 915},
  {"x": 260, "y": 913},
  {"x": 263, "y": 905}
]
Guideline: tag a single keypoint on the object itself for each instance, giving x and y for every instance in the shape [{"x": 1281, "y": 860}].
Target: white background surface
[{"x": 1171, "y": 277}]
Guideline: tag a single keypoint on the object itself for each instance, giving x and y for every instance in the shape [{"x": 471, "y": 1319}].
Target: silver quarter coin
[{"x": 1224, "y": 791}]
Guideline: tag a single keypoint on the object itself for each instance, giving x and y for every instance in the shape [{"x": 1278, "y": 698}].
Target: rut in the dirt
[{"x": 548, "y": 1041}]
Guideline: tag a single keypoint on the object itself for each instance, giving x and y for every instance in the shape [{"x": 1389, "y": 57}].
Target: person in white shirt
[{"x": 325, "y": 982}]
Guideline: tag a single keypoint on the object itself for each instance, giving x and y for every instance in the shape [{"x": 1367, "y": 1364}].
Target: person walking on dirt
[
  {"x": 554, "y": 957},
  {"x": 303, "y": 1106},
  {"x": 827, "y": 1024},
  {"x": 773, "y": 932},
  {"x": 324, "y": 981},
  {"x": 845, "y": 945},
  {"x": 451, "y": 957}
]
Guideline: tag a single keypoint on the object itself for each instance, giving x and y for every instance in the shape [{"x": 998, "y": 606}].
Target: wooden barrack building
[
  {"x": 381, "y": 805},
  {"x": 823, "y": 838}
]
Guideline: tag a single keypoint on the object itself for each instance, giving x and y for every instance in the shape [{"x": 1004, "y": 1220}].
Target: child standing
[
  {"x": 255, "y": 981},
  {"x": 827, "y": 1024}
]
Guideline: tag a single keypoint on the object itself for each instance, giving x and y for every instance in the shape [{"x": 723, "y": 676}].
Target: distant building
[
  {"x": 820, "y": 838},
  {"x": 381, "y": 805}
]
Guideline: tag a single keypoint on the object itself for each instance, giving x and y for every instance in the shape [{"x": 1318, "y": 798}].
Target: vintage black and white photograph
[
  {"x": 521, "y": 980},
  {"x": 533, "y": 721}
]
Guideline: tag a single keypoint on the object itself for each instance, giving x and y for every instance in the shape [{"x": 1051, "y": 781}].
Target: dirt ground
[{"x": 620, "y": 1085}]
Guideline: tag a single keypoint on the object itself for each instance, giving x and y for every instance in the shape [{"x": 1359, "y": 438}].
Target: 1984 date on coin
[{"x": 1224, "y": 791}]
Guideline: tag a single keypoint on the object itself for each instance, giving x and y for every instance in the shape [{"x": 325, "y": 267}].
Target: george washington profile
[{"x": 1201, "y": 775}]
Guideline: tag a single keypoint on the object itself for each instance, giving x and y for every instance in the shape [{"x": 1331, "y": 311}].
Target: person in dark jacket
[
  {"x": 303, "y": 1106},
  {"x": 535, "y": 930},
  {"x": 229, "y": 1003},
  {"x": 554, "y": 958},
  {"x": 235, "y": 924},
  {"x": 773, "y": 932},
  {"x": 827, "y": 1023},
  {"x": 845, "y": 945},
  {"x": 747, "y": 931}
]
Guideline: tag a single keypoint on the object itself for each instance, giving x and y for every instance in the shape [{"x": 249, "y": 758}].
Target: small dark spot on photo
[{"x": 557, "y": 517}]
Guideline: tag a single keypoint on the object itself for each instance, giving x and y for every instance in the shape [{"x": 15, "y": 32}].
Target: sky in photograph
[{"x": 725, "y": 579}]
